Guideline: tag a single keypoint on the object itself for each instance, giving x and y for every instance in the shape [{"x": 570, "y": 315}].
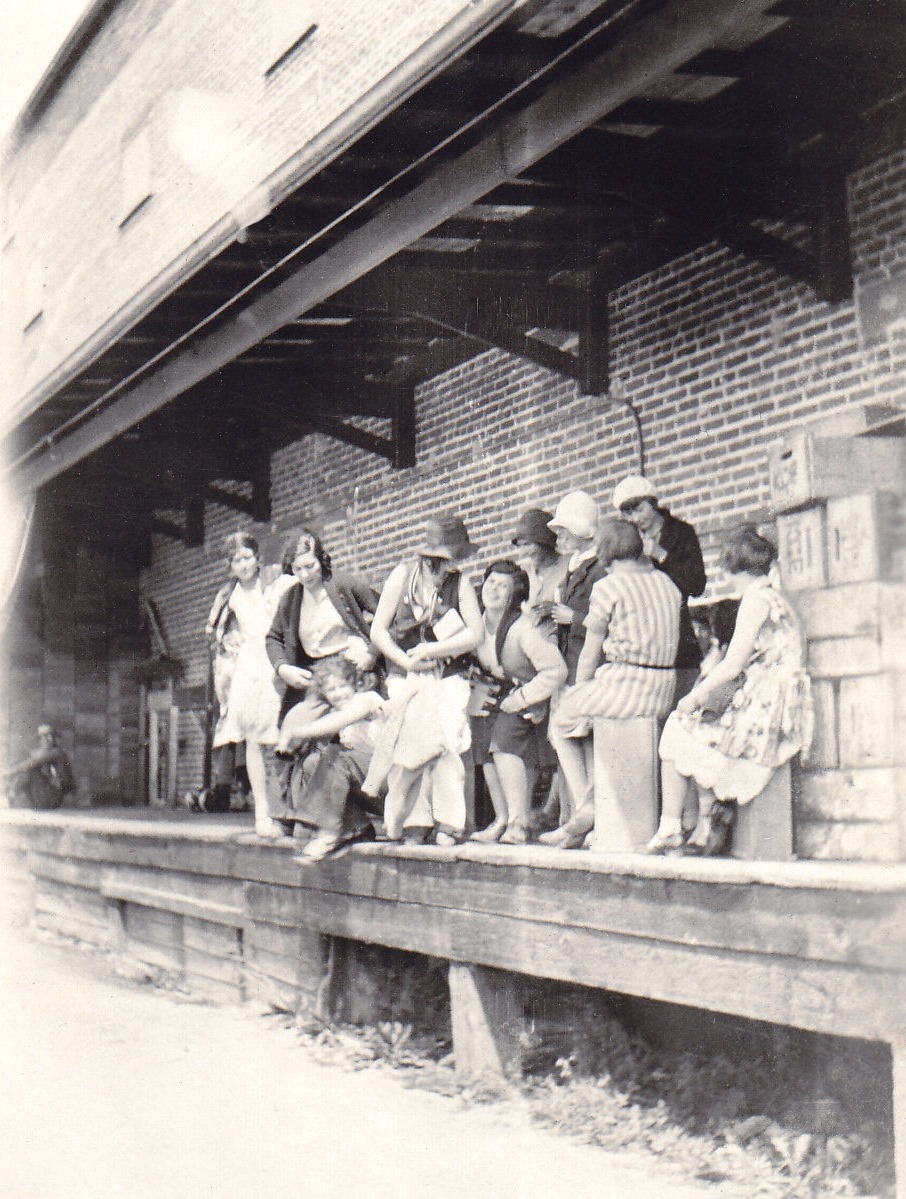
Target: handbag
[{"x": 721, "y": 698}]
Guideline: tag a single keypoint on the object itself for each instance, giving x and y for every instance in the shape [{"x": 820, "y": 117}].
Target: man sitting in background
[{"x": 43, "y": 779}]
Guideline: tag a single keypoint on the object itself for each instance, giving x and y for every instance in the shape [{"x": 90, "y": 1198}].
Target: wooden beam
[
  {"x": 351, "y": 435},
  {"x": 228, "y": 499},
  {"x": 261, "y": 481},
  {"x": 193, "y": 530},
  {"x": 653, "y": 47},
  {"x": 833, "y": 268},
  {"x": 403, "y": 429},
  {"x": 594, "y": 341}
]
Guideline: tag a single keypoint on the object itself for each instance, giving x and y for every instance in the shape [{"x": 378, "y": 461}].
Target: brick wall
[
  {"x": 193, "y": 78},
  {"x": 719, "y": 356}
]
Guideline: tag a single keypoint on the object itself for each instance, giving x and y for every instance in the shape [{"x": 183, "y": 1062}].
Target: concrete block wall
[
  {"x": 720, "y": 357},
  {"x": 193, "y": 79}
]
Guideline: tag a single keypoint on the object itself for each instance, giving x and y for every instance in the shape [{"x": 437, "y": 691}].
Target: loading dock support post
[{"x": 487, "y": 1019}]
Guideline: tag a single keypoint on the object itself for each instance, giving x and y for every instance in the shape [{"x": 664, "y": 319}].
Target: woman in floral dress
[{"x": 749, "y": 715}]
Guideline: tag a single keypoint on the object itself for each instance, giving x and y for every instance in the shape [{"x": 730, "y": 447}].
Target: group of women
[{"x": 414, "y": 687}]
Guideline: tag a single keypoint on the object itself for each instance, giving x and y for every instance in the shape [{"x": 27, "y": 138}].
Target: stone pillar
[{"x": 487, "y": 1019}]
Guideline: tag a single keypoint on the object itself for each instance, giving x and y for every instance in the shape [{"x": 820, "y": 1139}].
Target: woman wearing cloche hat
[
  {"x": 672, "y": 545},
  {"x": 427, "y": 621}
]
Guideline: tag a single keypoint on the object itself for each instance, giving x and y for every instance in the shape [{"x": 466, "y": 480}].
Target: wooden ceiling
[{"x": 760, "y": 126}]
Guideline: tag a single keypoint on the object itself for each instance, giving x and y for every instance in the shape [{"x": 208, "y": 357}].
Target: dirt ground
[{"x": 115, "y": 1090}]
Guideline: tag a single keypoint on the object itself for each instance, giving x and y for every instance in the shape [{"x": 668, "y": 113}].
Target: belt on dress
[{"x": 641, "y": 665}]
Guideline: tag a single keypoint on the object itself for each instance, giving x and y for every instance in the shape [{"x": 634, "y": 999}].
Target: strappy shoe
[{"x": 664, "y": 843}]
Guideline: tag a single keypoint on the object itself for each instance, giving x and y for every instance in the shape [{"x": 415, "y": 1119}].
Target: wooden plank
[
  {"x": 274, "y": 965},
  {"x": 724, "y": 917},
  {"x": 208, "y": 937},
  {"x": 651, "y": 48},
  {"x": 274, "y": 905},
  {"x": 152, "y": 926},
  {"x": 64, "y": 870},
  {"x": 223, "y": 891},
  {"x": 210, "y": 966},
  {"x": 170, "y": 902},
  {"x": 87, "y": 905},
  {"x": 832, "y": 999}
]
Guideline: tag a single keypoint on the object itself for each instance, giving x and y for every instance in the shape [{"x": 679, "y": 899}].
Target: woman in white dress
[{"x": 252, "y": 700}]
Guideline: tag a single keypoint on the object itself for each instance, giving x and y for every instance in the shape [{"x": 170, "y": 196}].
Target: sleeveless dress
[
  {"x": 768, "y": 720},
  {"x": 253, "y": 699}
]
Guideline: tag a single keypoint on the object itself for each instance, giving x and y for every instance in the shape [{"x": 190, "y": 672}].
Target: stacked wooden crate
[{"x": 839, "y": 504}]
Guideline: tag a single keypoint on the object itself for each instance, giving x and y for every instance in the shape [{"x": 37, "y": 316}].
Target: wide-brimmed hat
[
  {"x": 578, "y": 513},
  {"x": 445, "y": 536},
  {"x": 632, "y": 488},
  {"x": 533, "y": 529}
]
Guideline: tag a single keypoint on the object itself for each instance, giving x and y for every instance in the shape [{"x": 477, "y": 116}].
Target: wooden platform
[{"x": 816, "y": 945}]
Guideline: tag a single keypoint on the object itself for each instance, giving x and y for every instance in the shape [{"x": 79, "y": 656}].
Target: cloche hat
[
  {"x": 578, "y": 513},
  {"x": 534, "y": 529},
  {"x": 445, "y": 536},
  {"x": 633, "y": 487}
]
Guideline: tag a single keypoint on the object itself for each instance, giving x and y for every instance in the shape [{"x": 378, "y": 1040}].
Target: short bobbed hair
[
  {"x": 745, "y": 551},
  {"x": 235, "y": 542},
  {"x": 311, "y": 542},
  {"x": 619, "y": 539},
  {"x": 334, "y": 666},
  {"x": 520, "y": 581}
]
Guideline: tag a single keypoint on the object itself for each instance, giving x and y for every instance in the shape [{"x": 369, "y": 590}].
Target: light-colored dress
[
  {"x": 253, "y": 698},
  {"x": 768, "y": 720}
]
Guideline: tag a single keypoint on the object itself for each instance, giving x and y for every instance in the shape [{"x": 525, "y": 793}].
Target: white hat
[
  {"x": 578, "y": 514},
  {"x": 633, "y": 487}
]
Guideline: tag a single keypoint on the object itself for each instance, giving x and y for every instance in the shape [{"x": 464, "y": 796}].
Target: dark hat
[
  {"x": 532, "y": 529},
  {"x": 445, "y": 536}
]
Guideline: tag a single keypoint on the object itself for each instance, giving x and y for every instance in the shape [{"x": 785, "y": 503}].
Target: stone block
[{"x": 868, "y": 733}]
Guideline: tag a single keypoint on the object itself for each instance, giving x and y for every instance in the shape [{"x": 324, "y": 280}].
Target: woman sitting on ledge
[
  {"x": 748, "y": 716},
  {"x": 509, "y": 741}
]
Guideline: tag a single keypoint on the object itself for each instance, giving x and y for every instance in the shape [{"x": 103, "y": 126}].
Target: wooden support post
[
  {"x": 261, "y": 483},
  {"x": 764, "y": 827},
  {"x": 486, "y": 1015},
  {"x": 626, "y": 778},
  {"x": 403, "y": 435},
  {"x": 594, "y": 341},
  {"x": 898, "y": 1056},
  {"x": 830, "y": 233},
  {"x": 193, "y": 529}
]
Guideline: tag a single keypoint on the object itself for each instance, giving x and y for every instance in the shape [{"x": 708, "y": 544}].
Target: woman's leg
[
  {"x": 674, "y": 788},
  {"x": 702, "y": 828},
  {"x": 265, "y": 826},
  {"x": 514, "y": 782},
  {"x": 496, "y": 828},
  {"x": 402, "y": 792}
]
